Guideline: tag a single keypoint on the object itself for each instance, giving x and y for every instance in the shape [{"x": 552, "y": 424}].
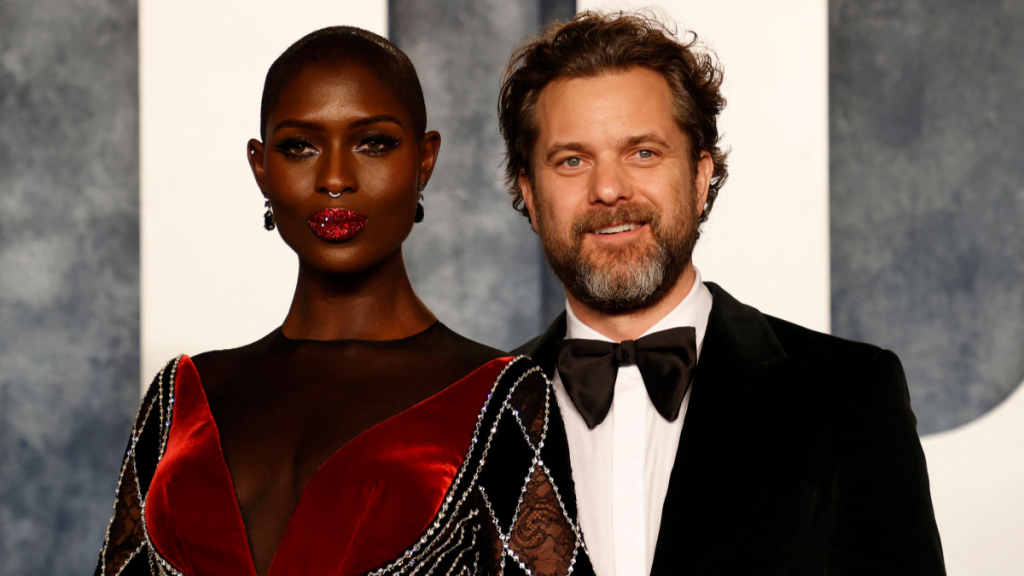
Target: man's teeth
[{"x": 617, "y": 229}]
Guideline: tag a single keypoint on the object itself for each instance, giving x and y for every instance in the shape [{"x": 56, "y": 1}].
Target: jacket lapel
[
  {"x": 541, "y": 349},
  {"x": 725, "y": 450}
]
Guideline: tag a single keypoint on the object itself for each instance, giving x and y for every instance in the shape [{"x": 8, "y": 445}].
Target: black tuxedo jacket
[{"x": 799, "y": 455}]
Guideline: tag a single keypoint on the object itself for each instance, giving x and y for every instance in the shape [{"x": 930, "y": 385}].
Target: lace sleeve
[
  {"x": 542, "y": 538},
  {"x": 504, "y": 513},
  {"x": 126, "y": 533}
]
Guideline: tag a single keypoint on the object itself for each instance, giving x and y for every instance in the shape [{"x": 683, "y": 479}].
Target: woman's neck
[{"x": 376, "y": 304}]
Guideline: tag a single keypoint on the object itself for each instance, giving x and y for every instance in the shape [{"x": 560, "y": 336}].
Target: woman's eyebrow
[
  {"x": 300, "y": 124},
  {"x": 374, "y": 120},
  {"x": 304, "y": 125}
]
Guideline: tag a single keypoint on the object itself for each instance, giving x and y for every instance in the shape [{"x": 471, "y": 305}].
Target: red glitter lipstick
[{"x": 336, "y": 224}]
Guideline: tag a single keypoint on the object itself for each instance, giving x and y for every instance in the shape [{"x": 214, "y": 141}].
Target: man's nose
[
  {"x": 609, "y": 183},
  {"x": 336, "y": 175}
]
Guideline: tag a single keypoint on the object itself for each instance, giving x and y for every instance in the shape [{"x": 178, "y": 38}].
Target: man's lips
[
  {"x": 336, "y": 224},
  {"x": 617, "y": 228}
]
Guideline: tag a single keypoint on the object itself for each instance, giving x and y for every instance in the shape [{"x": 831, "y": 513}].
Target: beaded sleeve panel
[
  {"x": 511, "y": 508},
  {"x": 127, "y": 549}
]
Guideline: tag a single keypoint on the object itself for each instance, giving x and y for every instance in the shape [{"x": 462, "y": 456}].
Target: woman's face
[{"x": 341, "y": 166}]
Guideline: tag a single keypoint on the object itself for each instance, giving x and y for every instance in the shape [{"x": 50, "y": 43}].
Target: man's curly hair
[{"x": 592, "y": 44}]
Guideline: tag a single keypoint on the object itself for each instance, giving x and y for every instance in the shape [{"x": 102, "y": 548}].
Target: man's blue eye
[
  {"x": 572, "y": 162},
  {"x": 646, "y": 153}
]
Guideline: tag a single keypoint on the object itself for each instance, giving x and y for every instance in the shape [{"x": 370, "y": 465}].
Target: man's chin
[
  {"x": 599, "y": 255},
  {"x": 621, "y": 274},
  {"x": 619, "y": 306}
]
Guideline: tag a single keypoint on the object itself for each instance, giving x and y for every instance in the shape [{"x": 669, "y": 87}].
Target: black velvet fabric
[{"x": 799, "y": 455}]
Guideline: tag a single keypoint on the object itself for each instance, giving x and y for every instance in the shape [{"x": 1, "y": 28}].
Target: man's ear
[
  {"x": 702, "y": 180},
  {"x": 255, "y": 154},
  {"x": 527, "y": 188}
]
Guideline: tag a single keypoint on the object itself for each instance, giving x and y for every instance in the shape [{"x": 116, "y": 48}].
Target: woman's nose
[{"x": 337, "y": 175}]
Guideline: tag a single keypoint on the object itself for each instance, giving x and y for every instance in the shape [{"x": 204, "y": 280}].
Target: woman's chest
[{"x": 297, "y": 486}]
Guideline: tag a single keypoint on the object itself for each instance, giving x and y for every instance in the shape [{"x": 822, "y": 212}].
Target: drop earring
[
  {"x": 419, "y": 205},
  {"x": 268, "y": 216}
]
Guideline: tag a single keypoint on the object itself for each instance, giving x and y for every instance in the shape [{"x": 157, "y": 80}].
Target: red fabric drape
[{"x": 369, "y": 502}]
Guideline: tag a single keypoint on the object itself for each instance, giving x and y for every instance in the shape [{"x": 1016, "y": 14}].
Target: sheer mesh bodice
[
  {"x": 283, "y": 407},
  {"x": 479, "y": 470}
]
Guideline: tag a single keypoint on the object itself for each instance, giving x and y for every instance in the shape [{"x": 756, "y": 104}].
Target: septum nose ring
[{"x": 333, "y": 195}]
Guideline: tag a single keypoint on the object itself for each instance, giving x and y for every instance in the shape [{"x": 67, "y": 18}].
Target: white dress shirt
[{"x": 621, "y": 468}]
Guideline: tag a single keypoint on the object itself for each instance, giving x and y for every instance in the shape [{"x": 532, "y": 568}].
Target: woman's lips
[{"x": 336, "y": 224}]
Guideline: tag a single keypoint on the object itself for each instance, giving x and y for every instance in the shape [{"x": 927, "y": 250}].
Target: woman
[{"x": 329, "y": 445}]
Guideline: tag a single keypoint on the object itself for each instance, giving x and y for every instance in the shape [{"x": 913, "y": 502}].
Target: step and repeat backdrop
[{"x": 875, "y": 193}]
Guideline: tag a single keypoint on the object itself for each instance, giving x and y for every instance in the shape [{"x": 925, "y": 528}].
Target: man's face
[{"x": 615, "y": 195}]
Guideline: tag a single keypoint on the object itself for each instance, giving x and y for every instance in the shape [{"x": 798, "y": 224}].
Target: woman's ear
[
  {"x": 255, "y": 154},
  {"x": 429, "y": 148}
]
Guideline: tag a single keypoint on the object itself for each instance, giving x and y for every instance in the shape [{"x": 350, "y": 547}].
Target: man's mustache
[{"x": 598, "y": 218}]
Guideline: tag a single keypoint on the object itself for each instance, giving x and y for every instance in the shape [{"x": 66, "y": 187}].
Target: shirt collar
[{"x": 692, "y": 311}]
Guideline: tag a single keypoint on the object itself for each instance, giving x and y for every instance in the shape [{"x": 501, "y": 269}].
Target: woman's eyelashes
[
  {"x": 377, "y": 144},
  {"x": 296, "y": 148},
  {"x": 371, "y": 144}
]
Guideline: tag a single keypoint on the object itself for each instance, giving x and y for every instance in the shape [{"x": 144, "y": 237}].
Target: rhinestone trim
[
  {"x": 450, "y": 535},
  {"x": 426, "y": 550},
  {"x": 160, "y": 401}
]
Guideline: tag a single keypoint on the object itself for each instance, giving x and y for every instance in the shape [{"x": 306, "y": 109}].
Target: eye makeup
[
  {"x": 377, "y": 143},
  {"x": 296, "y": 147}
]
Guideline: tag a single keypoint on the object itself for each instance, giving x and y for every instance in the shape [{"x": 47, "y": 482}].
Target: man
[{"x": 704, "y": 437}]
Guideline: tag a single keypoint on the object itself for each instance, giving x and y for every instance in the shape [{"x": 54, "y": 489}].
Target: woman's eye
[
  {"x": 296, "y": 148},
  {"x": 377, "y": 144},
  {"x": 573, "y": 162}
]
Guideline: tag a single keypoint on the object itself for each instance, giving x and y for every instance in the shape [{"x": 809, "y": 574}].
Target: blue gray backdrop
[
  {"x": 478, "y": 265},
  {"x": 927, "y": 194},
  {"x": 69, "y": 275},
  {"x": 927, "y": 197}
]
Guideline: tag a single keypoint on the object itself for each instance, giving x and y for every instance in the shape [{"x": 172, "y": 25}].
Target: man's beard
[{"x": 627, "y": 278}]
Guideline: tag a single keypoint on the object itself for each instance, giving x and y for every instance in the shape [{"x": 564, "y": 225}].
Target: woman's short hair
[
  {"x": 594, "y": 43},
  {"x": 347, "y": 45}
]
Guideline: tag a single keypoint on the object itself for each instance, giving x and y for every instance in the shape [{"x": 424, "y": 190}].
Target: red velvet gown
[{"x": 177, "y": 511}]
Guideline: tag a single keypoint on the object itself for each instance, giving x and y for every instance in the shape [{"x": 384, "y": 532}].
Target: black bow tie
[{"x": 666, "y": 361}]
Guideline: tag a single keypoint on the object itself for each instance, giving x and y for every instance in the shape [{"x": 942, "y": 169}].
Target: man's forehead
[{"x": 607, "y": 104}]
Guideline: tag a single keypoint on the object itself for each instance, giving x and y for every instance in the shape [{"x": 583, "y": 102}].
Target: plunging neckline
[
  {"x": 197, "y": 426},
  {"x": 205, "y": 407}
]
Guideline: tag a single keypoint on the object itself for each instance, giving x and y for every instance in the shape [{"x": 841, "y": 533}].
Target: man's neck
[{"x": 632, "y": 325}]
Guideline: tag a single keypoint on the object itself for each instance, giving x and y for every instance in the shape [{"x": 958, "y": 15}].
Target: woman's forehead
[{"x": 337, "y": 91}]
